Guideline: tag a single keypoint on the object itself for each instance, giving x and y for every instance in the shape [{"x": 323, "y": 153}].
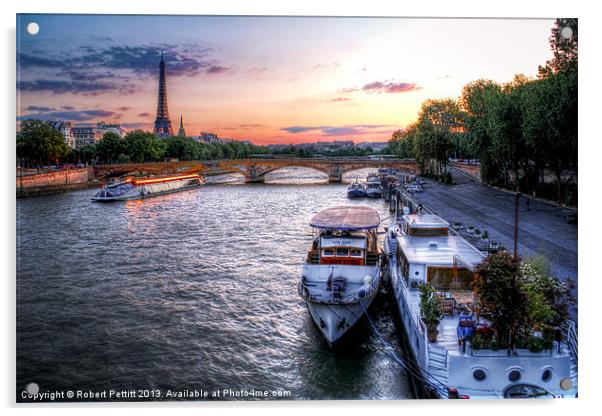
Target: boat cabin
[
  {"x": 427, "y": 254},
  {"x": 345, "y": 236}
]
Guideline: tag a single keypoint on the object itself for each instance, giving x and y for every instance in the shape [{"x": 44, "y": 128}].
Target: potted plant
[
  {"x": 470, "y": 229},
  {"x": 494, "y": 245},
  {"x": 476, "y": 342},
  {"x": 430, "y": 311},
  {"x": 477, "y": 232},
  {"x": 457, "y": 226},
  {"x": 485, "y": 235}
]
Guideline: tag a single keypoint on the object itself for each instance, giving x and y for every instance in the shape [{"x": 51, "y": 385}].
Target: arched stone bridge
[{"x": 255, "y": 170}]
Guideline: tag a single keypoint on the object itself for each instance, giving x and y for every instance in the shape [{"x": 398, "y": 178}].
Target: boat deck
[{"x": 447, "y": 337}]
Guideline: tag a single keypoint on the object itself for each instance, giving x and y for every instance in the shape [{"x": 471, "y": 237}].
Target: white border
[{"x": 590, "y": 152}]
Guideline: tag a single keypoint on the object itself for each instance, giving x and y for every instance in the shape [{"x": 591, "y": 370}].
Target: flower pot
[{"x": 431, "y": 335}]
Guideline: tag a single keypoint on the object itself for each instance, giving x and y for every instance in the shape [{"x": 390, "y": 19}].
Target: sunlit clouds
[{"x": 268, "y": 80}]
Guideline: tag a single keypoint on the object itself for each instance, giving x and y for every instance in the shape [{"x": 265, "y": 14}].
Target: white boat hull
[
  {"x": 333, "y": 321},
  {"x": 336, "y": 315}
]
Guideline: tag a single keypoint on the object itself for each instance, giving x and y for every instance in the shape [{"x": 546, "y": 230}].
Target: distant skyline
[{"x": 271, "y": 80}]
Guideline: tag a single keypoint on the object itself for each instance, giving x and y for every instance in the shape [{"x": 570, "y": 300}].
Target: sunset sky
[{"x": 264, "y": 79}]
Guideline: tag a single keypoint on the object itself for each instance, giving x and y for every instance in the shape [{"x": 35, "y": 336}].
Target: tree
[
  {"x": 501, "y": 290},
  {"x": 143, "y": 146},
  {"x": 439, "y": 123},
  {"x": 402, "y": 142},
  {"x": 39, "y": 143},
  {"x": 477, "y": 102},
  {"x": 564, "y": 49},
  {"x": 110, "y": 147}
]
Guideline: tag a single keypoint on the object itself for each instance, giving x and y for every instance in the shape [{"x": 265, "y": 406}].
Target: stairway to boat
[{"x": 437, "y": 369}]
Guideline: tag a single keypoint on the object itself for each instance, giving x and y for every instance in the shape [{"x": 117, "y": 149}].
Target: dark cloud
[
  {"x": 38, "y": 108},
  {"x": 58, "y": 86},
  {"x": 89, "y": 75},
  {"x": 124, "y": 108},
  {"x": 339, "y": 99},
  {"x": 389, "y": 87},
  {"x": 136, "y": 125},
  {"x": 145, "y": 114},
  {"x": 336, "y": 130},
  {"x": 76, "y": 115},
  {"x": 92, "y": 70},
  {"x": 249, "y": 126},
  {"x": 27, "y": 61},
  {"x": 217, "y": 69},
  {"x": 68, "y": 107},
  {"x": 299, "y": 129}
]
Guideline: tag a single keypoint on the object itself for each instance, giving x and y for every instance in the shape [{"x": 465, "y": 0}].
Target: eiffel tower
[{"x": 162, "y": 122}]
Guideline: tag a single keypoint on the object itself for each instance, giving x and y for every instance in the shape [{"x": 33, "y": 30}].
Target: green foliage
[
  {"x": 402, "y": 142},
  {"x": 565, "y": 51},
  {"x": 549, "y": 298},
  {"x": 143, "y": 146},
  {"x": 501, "y": 288},
  {"x": 517, "y": 130},
  {"x": 38, "y": 143},
  {"x": 110, "y": 147},
  {"x": 536, "y": 344},
  {"x": 521, "y": 296},
  {"x": 430, "y": 306},
  {"x": 477, "y": 342}
]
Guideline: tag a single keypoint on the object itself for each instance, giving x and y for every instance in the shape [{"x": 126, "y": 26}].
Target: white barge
[
  {"x": 421, "y": 252},
  {"x": 341, "y": 274},
  {"x": 139, "y": 188}
]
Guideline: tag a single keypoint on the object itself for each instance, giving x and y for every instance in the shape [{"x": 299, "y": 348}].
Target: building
[
  {"x": 65, "y": 128},
  {"x": 103, "y": 128},
  {"x": 205, "y": 137},
  {"x": 181, "y": 131},
  {"x": 162, "y": 122},
  {"x": 85, "y": 136},
  {"x": 375, "y": 146}
]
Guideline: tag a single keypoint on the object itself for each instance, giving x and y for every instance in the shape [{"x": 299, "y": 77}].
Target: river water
[{"x": 193, "y": 290}]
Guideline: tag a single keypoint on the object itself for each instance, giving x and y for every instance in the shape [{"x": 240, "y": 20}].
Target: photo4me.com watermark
[{"x": 32, "y": 393}]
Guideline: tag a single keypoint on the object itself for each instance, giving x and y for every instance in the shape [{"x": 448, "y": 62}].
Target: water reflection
[{"x": 189, "y": 290}]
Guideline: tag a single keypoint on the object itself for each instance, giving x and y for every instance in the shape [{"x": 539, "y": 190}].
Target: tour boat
[
  {"x": 356, "y": 190},
  {"x": 341, "y": 275},
  {"x": 421, "y": 250},
  {"x": 374, "y": 190},
  {"x": 373, "y": 186},
  {"x": 139, "y": 188}
]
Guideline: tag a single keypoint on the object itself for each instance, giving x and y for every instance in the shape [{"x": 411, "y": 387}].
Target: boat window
[
  {"x": 428, "y": 232},
  {"x": 328, "y": 252},
  {"x": 547, "y": 375},
  {"x": 448, "y": 278},
  {"x": 355, "y": 252},
  {"x": 342, "y": 252},
  {"x": 514, "y": 375},
  {"x": 479, "y": 374}
]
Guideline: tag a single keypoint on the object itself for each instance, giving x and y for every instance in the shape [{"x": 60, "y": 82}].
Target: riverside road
[{"x": 543, "y": 227}]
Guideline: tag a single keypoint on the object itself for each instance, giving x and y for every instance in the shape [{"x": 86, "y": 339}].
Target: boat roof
[
  {"x": 348, "y": 218},
  {"x": 425, "y": 221},
  {"x": 440, "y": 251}
]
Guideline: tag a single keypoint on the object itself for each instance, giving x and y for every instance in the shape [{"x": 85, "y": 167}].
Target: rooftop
[
  {"x": 440, "y": 251},
  {"x": 348, "y": 218},
  {"x": 425, "y": 221}
]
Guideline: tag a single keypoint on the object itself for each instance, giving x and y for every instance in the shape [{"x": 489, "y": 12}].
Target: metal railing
[{"x": 571, "y": 338}]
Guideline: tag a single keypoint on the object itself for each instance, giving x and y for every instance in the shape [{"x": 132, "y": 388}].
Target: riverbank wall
[{"x": 54, "y": 181}]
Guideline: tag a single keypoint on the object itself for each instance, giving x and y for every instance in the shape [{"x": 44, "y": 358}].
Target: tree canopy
[
  {"x": 519, "y": 131},
  {"x": 39, "y": 143}
]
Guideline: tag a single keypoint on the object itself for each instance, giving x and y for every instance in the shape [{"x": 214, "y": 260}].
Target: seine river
[{"x": 193, "y": 290}]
